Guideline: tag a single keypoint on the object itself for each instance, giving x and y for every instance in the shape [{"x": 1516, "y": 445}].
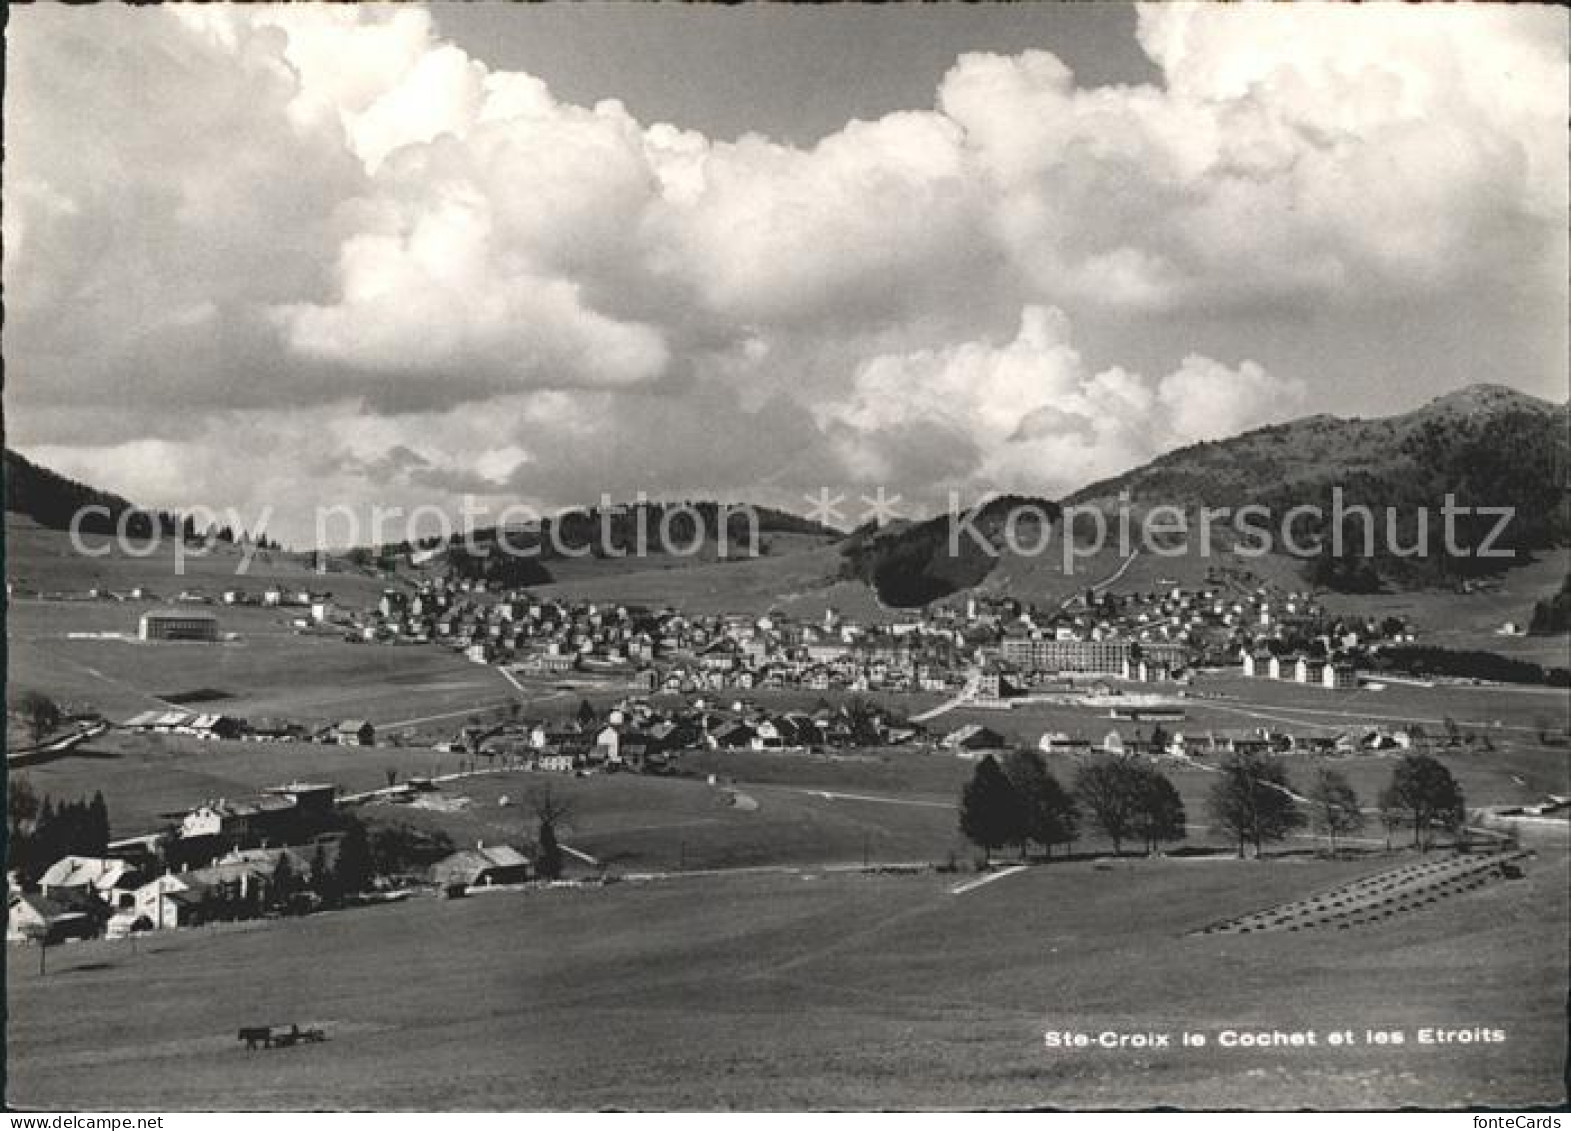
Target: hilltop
[
  {"x": 912, "y": 563},
  {"x": 1484, "y": 446},
  {"x": 50, "y": 499},
  {"x": 1480, "y": 435}
]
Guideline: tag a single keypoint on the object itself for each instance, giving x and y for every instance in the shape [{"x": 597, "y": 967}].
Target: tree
[
  {"x": 1427, "y": 795},
  {"x": 1108, "y": 790},
  {"x": 549, "y": 857},
  {"x": 553, "y": 814},
  {"x": 1251, "y": 801},
  {"x": 1334, "y": 807},
  {"x": 40, "y": 714},
  {"x": 1159, "y": 810},
  {"x": 402, "y": 848},
  {"x": 1051, "y": 816},
  {"x": 1390, "y": 813},
  {"x": 284, "y": 883},
  {"x": 863, "y": 717},
  {"x": 352, "y": 868},
  {"x": 95, "y": 833},
  {"x": 42, "y": 831},
  {"x": 324, "y": 879},
  {"x": 586, "y": 712},
  {"x": 991, "y": 811},
  {"x": 22, "y": 809}
]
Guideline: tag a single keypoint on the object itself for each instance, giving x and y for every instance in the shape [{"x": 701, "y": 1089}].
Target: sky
[{"x": 286, "y": 258}]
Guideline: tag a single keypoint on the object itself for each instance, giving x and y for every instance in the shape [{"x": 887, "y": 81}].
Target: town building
[{"x": 178, "y": 624}]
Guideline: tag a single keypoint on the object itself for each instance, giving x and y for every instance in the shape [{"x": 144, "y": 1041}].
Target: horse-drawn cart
[{"x": 279, "y": 1036}]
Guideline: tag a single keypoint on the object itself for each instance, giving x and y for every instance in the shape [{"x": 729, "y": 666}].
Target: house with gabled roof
[
  {"x": 353, "y": 732},
  {"x": 100, "y": 877},
  {"x": 973, "y": 737},
  {"x": 482, "y": 866},
  {"x": 731, "y": 735},
  {"x": 31, "y": 916}
]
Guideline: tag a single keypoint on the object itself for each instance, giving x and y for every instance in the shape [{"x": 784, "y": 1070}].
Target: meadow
[
  {"x": 764, "y": 969},
  {"x": 812, "y": 990}
]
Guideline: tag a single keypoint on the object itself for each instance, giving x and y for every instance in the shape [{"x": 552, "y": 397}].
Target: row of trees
[
  {"x": 40, "y": 831},
  {"x": 1253, "y": 802},
  {"x": 1428, "y": 660},
  {"x": 1018, "y": 802}
]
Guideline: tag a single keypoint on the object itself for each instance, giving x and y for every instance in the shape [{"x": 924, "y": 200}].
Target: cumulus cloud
[
  {"x": 1026, "y": 415},
  {"x": 272, "y": 220}
]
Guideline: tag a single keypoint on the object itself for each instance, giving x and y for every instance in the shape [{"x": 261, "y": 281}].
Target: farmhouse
[
  {"x": 161, "y": 722},
  {"x": 1240, "y": 742},
  {"x": 731, "y": 735},
  {"x": 1058, "y": 742},
  {"x": 482, "y": 866},
  {"x": 353, "y": 732},
  {"x": 973, "y": 736},
  {"x": 236, "y": 820},
  {"x": 214, "y": 727},
  {"x": 100, "y": 877},
  {"x": 276, "y": 730},
  {"x": 31, "y": 916},
  {"x": 178, "y": 624},
  {"x": 282, "y": 813}
]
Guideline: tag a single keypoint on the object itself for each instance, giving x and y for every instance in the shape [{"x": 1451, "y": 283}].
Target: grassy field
[
  {"x": 885, "y": 806},
  {"x": 269, "y": 669},
  {"x": 771, "y": 976},
  {"x": 794, "y": 565},
  {"x": 37, "y": 559},
  {"x": 1505, "y": 715},
  {"x": 810, "y": 990},
  {"x": 1470, "y": 621}
]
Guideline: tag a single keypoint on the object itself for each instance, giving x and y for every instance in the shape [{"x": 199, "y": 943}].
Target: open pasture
[
  {"x": 702, "y": 583},
  {"x": 38, "y": 559},
  {"x": 813, "y": 990},
  {"x": 269, "y": 669}
]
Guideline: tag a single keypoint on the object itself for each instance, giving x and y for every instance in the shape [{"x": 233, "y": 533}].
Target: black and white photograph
[{"x": 782, "y": 557}]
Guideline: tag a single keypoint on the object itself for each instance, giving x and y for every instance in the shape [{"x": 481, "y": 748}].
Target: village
[
  {"x": 672, "y": 686},
  {"x": 1013, "y": 647}
]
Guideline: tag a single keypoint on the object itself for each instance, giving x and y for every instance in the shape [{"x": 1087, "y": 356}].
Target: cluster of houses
[
  {"x": 219, "y": 859},
  {"x": 1157, "y": 743},
  {"x": 668, "y": 650},
  {"x": 223, "y": 860},
  {"x": 197, "y": 724},
  {"x": 1148, "y": 637},
  {"x": 640, "y": 737}
]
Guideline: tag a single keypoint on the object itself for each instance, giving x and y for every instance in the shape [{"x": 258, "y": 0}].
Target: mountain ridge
[{"x": 1485, "y": 444}]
